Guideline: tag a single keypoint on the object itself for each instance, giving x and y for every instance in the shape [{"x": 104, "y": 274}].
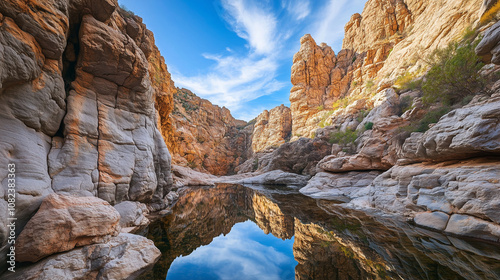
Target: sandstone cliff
[
  {"x": 442, "y": 178},
  {"x": 207, "y": 138},
  {"x": 77, "y": 106},
  {"x": 272, "y": 128},
  {"x": 388, "y": 39}
]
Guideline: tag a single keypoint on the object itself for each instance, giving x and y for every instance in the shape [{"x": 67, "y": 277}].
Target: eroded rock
[
  {"x": 125, "y": 256},
  {"x": 64, "y": 222}
]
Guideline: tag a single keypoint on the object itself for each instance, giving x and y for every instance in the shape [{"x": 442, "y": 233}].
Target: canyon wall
[
  {"x": 443, "y": 177},
  {"x": 78, "y": 84},
  {"x": 385, "y": 41},
  {"x": 207, "y": 138}
]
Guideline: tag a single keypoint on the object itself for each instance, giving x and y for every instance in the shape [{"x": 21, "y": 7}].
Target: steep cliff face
[
  {"x": 444, "y": 177},
  {"x": 272, "y": 128},
  {"x": 207, "y": 137},
  {"x": 77, "y": 105},
  {"x": 388, "y": 39}
]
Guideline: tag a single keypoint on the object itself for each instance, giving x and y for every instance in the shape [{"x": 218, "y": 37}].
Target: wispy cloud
[
  {"x": 244, "y": 252},
  {"x": 299, "y": 9},
  {"x": 271, "y": 33},
  {"x": 329, "y": 26},
  {"x": 252, "y": 22},
  {"x": 236, "y": 78}
]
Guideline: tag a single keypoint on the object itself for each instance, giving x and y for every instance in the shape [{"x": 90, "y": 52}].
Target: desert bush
[
  {"x": 405, "y": 104},
  {"x": 368, "y": 125},
  {"x": 453, "y": 74},
  {"x": 430, "y": 117},
  {"x": 345, "y": 139}
]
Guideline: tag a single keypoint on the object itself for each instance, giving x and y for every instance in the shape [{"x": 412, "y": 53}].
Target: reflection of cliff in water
[{"x": 330, "y": 242}]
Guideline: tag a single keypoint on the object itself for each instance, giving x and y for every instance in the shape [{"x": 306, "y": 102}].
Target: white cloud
[
  {"x": 234, "y": 80},
  {"x": 240, "y": 253},
  {"x": 329, "y": 27},
  {"x": 300, "y": 9},
  {"x": 253, "y": 23}
]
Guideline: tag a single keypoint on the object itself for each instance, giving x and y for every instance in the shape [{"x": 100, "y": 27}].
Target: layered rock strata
[
  {"x": 207, "y": 137},
  {"x": 64, "y": 222},
  {"x": 272, "y": 128},
  {"x": 385, "y": 41},
  {"x": 77, "y": 108},
  {"x": 125, "y": 256}
]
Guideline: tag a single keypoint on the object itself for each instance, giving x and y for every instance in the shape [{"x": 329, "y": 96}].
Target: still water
[{"x": 256, "y": 232}]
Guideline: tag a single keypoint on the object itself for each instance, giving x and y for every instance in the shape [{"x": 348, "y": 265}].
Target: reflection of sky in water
[{"x": 244, "y": 253}]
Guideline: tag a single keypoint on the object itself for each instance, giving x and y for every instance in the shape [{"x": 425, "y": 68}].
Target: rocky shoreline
[{"x": 91, "y": 120}]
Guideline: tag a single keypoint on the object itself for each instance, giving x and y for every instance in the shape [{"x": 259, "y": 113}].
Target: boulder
[
  {"x": 338, "y": 186},
  {"x": 272, "y": 128},
  {"x": 466, "y": 225},
  {"x": 275, "y": 177},
  {"x": 463, "y": 133},
  {"x": 132, "y": 214},
  {"x": 434, "y": 220},
  {"x": 125, "y": 256},
  {"x": 64, "y": 222}
]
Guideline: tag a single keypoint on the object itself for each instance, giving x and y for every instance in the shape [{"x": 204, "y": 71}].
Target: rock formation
[
  {"x": 125, "y": 256},
  {"x": 207, "y": 137},
  {"x": 272, "y": 128},
  {"x": 388, "y": 39},
  {"x": 64, "y": 222},
  {"x": 77, "y": 116}
]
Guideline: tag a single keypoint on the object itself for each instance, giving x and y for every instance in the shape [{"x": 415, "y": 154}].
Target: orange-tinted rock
[
  {"x": 272, "y": 128},
  {"x": 64, "y": 222},
  {"x": 207, "y": 137}
]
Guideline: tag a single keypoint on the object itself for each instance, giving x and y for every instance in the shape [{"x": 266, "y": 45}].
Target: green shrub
[
  {"x": 369, "y": 85},
  {"x": 454, "y": 74},
  {"x": 128, "y": 13},
  {"x": 320, "y": 108},
  {"x": 405, "y": 104},
  {"x": 343, "y": 138},
  {"x": 255, "y": 165},
  {"x": 408, "y": 81},
  {"x": 368, "y": 125},
  {"x": 191, "y": 164},
  {"x": 430, "y": 117}
]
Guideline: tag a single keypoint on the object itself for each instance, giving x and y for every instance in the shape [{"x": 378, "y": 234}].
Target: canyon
[{"x": 101, "y": 138}]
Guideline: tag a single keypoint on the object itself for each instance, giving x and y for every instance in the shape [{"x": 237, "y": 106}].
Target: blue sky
[
  {"x": 244, "y": 253},
  {"x": 238, "y": 53}
]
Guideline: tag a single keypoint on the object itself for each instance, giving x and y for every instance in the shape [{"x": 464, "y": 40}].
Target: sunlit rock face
[
  {"x": 77, "y": 105},
  {"x": 386, "y": 40},
  {"x": 272, "y": 128},
  {"x": 207, "y": 137}
]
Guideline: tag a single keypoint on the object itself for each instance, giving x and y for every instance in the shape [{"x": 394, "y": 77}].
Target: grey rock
[
  {"x": 462, "y": 133},
  {"x": 275, "y": 177},
  {"x": 339, "y": 186},
  {"x": 125, "y": 256},
  {"x": 473, "y": 227},
  {"x": 435, "y": 220},
  {"x": 489, "y": 47},
  {"x": 63, "y": 222},
  {"x": 132, "y": 214}
]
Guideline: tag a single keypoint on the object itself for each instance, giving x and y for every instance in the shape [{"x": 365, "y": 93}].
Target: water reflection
[
  {"x": 329, "y": 242},
  {"x": 246, "y": 252}
]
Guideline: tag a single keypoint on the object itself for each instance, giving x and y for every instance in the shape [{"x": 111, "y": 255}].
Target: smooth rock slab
[
  {"x": 338, "y": 185},
  {"x": 276, "y": 177},
  {"x": 125, "y": 256},
  {"x": 132, "y": 214},
  {"x": 471, "y": 226},
  {"x": 435, "y": 220},
  {"x": 64, "y": 222}
]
